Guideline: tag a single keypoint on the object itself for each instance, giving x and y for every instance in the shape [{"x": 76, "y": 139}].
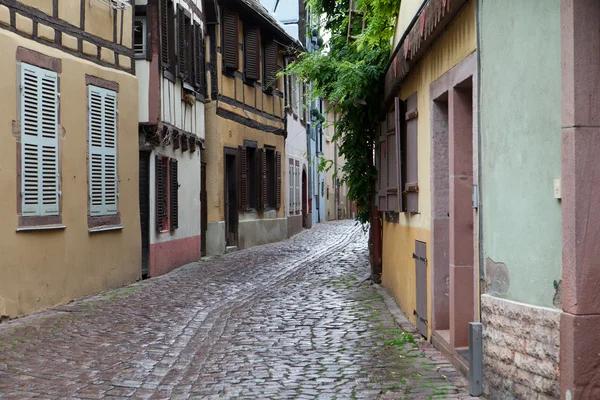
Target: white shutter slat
[
  {"x": 110, "y": 152},
  {"x": 39, "y": 141},
  {"x": 102, "y": 105}
]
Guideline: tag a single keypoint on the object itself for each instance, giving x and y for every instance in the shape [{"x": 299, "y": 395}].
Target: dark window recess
[
  {"x": 243, "y": 178},
  {"x": 167, "y": 35},
  {"x": 185, "y": 50},
  {"x": 162, "y": 218},
  {"x": 230, "y": 43},
  {"x": 139, "y": 37},
  {"x": 278, "y": 180},
  {"x": 173, "y": 194},
  {"x": 199, "y": 59},
  {"x": 270, "y": 178},
  {"x": 184, "y": 143},
  {"x": 270, "y": 65},
  {"x": 175, "y": 139},
  {"x": 252, "y": 156},
  {"x": 252, "y": 54}
]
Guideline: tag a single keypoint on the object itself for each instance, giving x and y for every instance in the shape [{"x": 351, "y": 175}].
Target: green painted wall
[{"x": 520, "y": 107}]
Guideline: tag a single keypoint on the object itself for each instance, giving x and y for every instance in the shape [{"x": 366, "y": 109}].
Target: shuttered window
[
  {"x": 270, "y": 65},
  {"x": 182, "y": 43},
  {"x": 167, "y": 35},
  {"x": 243, "y": 178},
  {"x": 173, "y": 194},
  {"x": 102, "y": 141},
  {"x": 199, "y": 57},
  {"x": 291, "y": 187},
  {"x": 277, "y": 180},
  {"x": 39, "y": 142},
  {"x": 298, "y": 191},
  {"x": 252, "y": 54},
  {"x": 230, "y": 43},
  {"x": 161, "y": 193},
  {"x": 411, "y": 187}
]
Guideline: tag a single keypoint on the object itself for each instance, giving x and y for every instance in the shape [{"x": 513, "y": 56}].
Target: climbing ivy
[{"x": 348, "y": 73}]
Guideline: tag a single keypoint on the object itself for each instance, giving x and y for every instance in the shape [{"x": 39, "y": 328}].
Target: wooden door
[
  {"x": 203, "y": 210},
  {"x": 144, "y": 187}
]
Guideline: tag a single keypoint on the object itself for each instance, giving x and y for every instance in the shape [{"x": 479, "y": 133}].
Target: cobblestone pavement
[{"x": 291, "y": 320}]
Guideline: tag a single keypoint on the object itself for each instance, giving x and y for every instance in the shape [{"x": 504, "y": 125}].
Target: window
[
  {"x": 298, "y": 189},
  {"x": 199, "y": 58},
  {"x": 252, "y": 54},
  {"x": 294, "y": 94},
  {"x": 259, "y": 178},
  {"x": 167, "y": 36},
  {"x": 102, "y": 142},
  {"x": 167, "y": 197},
  {"x": 39, "y": 142},
  {"x": 230, "y": 44},
  {"x": 291, "y": 187},
  {"x": 270, "y": 66},
  {"x": 270, "y": 180},
  {"x": 139, "y": 37}
]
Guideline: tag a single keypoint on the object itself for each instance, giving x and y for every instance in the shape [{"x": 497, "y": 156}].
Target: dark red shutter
[
  {"x": 252, "y": 53},
  {"x": 278, "y": 180},
  {"x": 412, "y": 157},
  {"x": 399, "y": 159},
  {"x": 161, "y": 192},
  {"x": 243, "y": 178},
  {"x": 199, "y": 67},
  {"x": 271, "y": 67},
  {"x": 174, "y": 196},
  {"x": 262, "y": 155},
  {"x": 230, "y": 43},
  {"x": 392, "y": 168},
  {"x": 181, "y": 45},
  {"x": 382, "y": 165},
  {"x": 164, "y": 34}
]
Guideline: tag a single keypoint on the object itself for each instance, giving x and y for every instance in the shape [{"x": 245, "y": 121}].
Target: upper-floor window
[
  {"x": 139, "y": 37},
  {"x": 167, "y": 36},
  {"x": 270, "y": 63},
  {"x": 102, "y": 142},
  {"x": 252, "y": 54},
  {"x": 39, "y": 141},
  {"x": 230, "y": 42}
]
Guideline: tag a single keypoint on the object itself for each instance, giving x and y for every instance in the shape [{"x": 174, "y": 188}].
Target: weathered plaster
[{"x": 520, "y": 128}]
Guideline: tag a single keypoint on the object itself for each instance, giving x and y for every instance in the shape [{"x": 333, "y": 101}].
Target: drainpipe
[{"x": 479, "y": 163}]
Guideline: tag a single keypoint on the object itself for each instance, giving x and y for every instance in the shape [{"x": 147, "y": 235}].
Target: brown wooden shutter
[
  {"x": 181, "y": 43},
  {"x": 262, "y": 154},
  {"x": 161, "y": 192},
  {"x": 164, "y": 34},
  {"x": 383, "y": 162},
  {"x": 199, "y": 67},
  {"x": 243, "y": 178},
  {"x": 230, "y": 40},
  {"x": 271, "y": 67},
  {"x": 398, "y": 120},
  {"x": 412, "y": 156},
  {"x": 392, "y": 168},
  {"x": 278, "y": 180},
  {"x": 174, "y": 195},
  {"x": 252, "y": 53}
]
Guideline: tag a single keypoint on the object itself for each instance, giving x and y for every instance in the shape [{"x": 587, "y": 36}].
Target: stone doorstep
[{"x": 457, "y": 360}]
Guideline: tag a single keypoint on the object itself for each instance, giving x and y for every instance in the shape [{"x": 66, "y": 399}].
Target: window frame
[
  {"x": 144, "y": 20},
  {"x": 52, "y": 68}
]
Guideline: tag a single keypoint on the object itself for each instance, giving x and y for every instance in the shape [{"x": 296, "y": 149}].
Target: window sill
[
  {"x": 41, "y": 228},
  {"x": 105, "y": 228}
]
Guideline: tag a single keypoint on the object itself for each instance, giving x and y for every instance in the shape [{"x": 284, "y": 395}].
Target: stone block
[
  {"x": 69, "y": 41},
  {"x": 124, "y": 61},
  {"x": 107, "y": 55},
  {"x": 4, "y": 15},
  {"x": 45, "y": 32},
  {"x": 24, "y": 24},
  {"x": 90, "y": 49}
]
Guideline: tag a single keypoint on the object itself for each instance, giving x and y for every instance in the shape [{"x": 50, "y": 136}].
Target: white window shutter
[
  {"x": 39, "y": 141},
  {"x": 102, "y": 105}
]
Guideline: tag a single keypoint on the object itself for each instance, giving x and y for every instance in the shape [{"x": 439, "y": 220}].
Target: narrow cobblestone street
[{"x": 290, "y": 320}]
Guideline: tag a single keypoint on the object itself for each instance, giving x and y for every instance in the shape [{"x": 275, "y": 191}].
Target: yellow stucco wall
[
  {"x": 399, "y": 239},
  {"x": 41, "y": 269}
]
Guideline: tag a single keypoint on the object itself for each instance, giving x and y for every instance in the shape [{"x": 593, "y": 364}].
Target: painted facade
[
  {"x": 69, "y": 180},
  {"x": 289, "y": 14},
  {"x": 169, "y": 48},
  {"x": 521, "y": 158},
  {"x": 246, "y": 131},
  {"x": 427, "y": 162},
  {"x": 336, "y": 191}
]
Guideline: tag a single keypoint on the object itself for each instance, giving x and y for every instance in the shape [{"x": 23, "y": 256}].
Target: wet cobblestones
[{"x": 290, "y": 320}]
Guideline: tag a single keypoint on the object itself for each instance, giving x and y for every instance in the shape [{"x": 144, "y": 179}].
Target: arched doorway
[{"x": 304, "y": 198}]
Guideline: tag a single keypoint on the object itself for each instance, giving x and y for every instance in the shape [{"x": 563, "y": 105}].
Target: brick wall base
[{"x": 520, "y": 350}]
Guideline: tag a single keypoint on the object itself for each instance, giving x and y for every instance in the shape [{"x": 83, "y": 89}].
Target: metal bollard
[{"x": 475, "y": 359}]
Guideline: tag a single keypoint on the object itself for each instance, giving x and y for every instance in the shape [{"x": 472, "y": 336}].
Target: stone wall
[{"x": 520, "y": 350}]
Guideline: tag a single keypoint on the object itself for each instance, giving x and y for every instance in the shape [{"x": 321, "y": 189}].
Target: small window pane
[{"x": 139, "y": 37}]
